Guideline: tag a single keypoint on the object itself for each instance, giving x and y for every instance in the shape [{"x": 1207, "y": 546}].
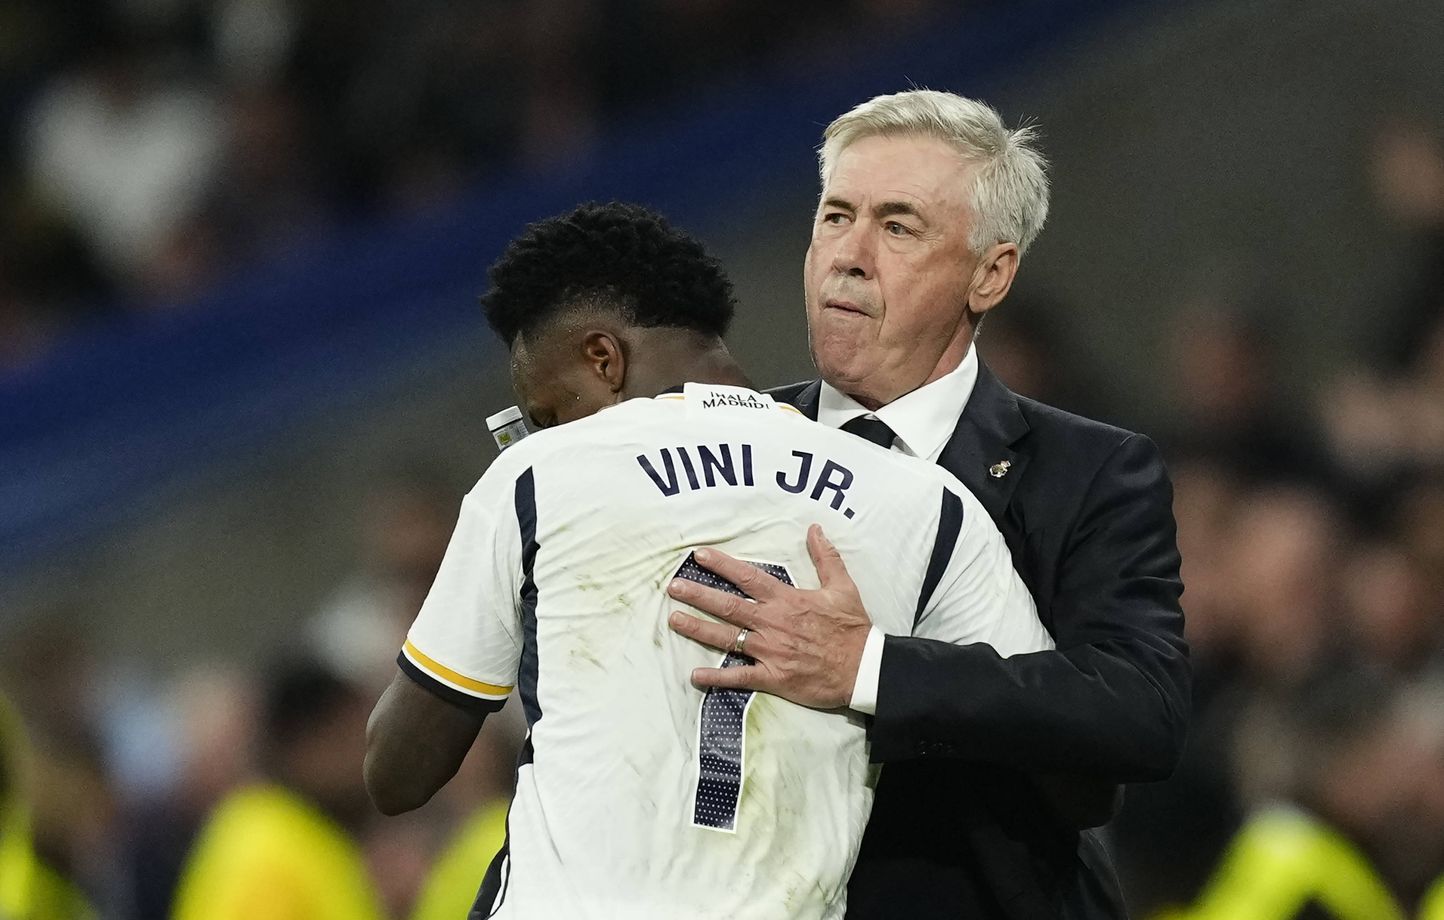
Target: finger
[
  {"x": 717, "y": 635},
  {"x": 723, "y": 605},
  {"x": 741, "y": 677},
  {"x": 753, "y": 582},
  {"x": 828, "y": 561}
]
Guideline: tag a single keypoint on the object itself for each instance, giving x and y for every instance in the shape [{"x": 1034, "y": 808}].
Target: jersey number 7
[{"x": 722, "y": 725}]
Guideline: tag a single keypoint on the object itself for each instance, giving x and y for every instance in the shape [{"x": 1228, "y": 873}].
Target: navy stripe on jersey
[
  {"x": 526, "y": 522},
  {"x": 950, "y": 524},
  {"x": 449, "y": 694},
  {"x": 494, "y": 884},
  {"x": 498, "y": 875}
]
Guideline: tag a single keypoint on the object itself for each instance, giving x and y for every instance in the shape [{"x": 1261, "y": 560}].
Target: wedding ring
[{"x": 737, "y": 646}]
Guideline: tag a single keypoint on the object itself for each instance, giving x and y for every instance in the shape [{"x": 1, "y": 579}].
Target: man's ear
[
  {"x": 993, "y": 277},
  {"x": 603, "y": 354}
]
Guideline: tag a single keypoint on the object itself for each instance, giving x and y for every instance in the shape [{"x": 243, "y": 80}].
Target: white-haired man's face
[{"x": 889, "y": 270}]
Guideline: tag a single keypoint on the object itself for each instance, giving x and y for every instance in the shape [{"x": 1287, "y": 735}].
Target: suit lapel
[
  {"x": 804, "y": 397},
  {"x": 982, "y": 444}
]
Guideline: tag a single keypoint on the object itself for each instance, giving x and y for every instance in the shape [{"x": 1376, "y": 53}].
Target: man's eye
[
  {"x": 834, "y": 218},
  {"x": 896, "y": 229}
]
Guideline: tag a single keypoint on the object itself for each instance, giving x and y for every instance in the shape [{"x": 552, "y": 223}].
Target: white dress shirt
[{"x": 922, "y": 420}]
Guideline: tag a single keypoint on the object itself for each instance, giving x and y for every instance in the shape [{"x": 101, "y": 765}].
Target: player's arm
[
  {"x": 461, "y": 655},
  {"x": 415, "y": 743}
]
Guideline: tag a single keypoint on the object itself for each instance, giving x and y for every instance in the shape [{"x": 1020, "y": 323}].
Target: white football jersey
[{"x": 639, "y": 795}]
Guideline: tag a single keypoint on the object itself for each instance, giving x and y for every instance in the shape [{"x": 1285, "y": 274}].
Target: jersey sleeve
[
  {"x": 971, "y": 592},
  {"x": 465, "y": 644}
]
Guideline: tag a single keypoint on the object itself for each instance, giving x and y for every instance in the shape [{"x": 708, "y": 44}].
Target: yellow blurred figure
[
  {"x": 284, "y": 849},
  {"x": 1432, "y": 907},
  {"x": 1364, "y": 838},
  {"x": 267, "y": 854},
  {"x": 29, "y": 890},
  {"x": 1284, "y": 859},
  {"x": 451, "y": 887}
]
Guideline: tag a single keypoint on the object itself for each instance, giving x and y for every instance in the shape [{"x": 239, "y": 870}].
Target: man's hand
[{"x": 806, "y": 645}]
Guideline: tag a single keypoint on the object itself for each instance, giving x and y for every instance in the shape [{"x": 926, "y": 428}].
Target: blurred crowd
[
  {"x": 1311, "y": 523},
  {"x": 150, "y": 146},
  {"x": 122, "y": 773},
  {"x": 153, "y": 146}
]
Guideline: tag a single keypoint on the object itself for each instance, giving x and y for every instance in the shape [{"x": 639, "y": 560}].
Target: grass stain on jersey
[{"x": 584, "y": 654}]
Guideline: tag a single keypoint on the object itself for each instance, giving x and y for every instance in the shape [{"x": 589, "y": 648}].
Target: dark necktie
[{"x": 871, "y": 429}]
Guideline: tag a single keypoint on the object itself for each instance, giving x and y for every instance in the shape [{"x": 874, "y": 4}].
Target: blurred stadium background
[{"x": 243, "y": 374}]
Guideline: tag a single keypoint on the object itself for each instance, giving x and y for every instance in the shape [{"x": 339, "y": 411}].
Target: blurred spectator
[
  {"x": 214, "y": 709},
  {"x": 1386, "y": 422},
  {"x": 29, "y": 888},
  {"x": 404, "y": 524},
  {"x": 1283, "y": 558},
  {"x": 49, "y": 278},
  {"x": 1361, "y": 836},
  {"x": 1406, "y": 169},
  {"x": 1227, "y": 397},
  {"x": 1394, "y": 612},
  {"x": 128, "y": 150},
  {"x": 285, "y": 848},
  {"x": 267, "y": 194},
  {"x": 1419, "y": 520},
  {"x": 1385, "y": 429},
  {"x": 1206, "y": 502},
  {"x": 53, "y": 676}
]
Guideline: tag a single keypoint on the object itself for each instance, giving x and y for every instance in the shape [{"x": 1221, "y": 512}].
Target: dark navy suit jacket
[{"x": 983, "y": 754}]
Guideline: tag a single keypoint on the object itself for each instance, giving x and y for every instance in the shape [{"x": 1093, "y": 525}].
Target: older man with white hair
[{"x": 995, "y": 767}]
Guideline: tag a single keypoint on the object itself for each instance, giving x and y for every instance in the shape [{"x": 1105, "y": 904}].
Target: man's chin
[{"x": 845, "y": 378}]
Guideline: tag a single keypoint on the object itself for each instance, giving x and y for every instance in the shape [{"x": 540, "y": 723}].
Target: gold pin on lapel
[{"x": 1000, "y": 469}]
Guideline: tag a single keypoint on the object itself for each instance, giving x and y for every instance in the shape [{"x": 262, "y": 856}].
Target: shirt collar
[{"x": 923, "y": 420}]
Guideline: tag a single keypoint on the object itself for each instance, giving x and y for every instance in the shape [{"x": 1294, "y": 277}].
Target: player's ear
[{"x": 603, "y": 354}]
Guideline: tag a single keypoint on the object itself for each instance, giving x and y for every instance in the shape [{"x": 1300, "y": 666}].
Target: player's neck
[
  {"x": 714, "y": 366},
  {"x": 674, "y": 360}
]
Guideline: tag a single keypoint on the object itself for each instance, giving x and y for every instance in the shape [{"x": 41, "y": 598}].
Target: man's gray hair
[{"x": 1010, "y": 184}]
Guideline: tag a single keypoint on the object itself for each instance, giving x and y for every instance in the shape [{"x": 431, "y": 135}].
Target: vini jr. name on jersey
[{"x": 707, "y": 466}]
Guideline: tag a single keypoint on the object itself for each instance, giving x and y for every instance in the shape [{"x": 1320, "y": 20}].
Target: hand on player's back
[{"x": 805, "y": 644}]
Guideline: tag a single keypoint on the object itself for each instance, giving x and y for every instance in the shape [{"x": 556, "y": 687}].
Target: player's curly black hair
[{"x": 619, "y": 256}]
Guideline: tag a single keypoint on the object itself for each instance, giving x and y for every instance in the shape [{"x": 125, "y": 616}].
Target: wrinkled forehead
[{"x": 913, "y": 166}]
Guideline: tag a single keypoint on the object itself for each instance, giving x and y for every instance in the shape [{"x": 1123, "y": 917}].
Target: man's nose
[{"x": 854, "y": 254}]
